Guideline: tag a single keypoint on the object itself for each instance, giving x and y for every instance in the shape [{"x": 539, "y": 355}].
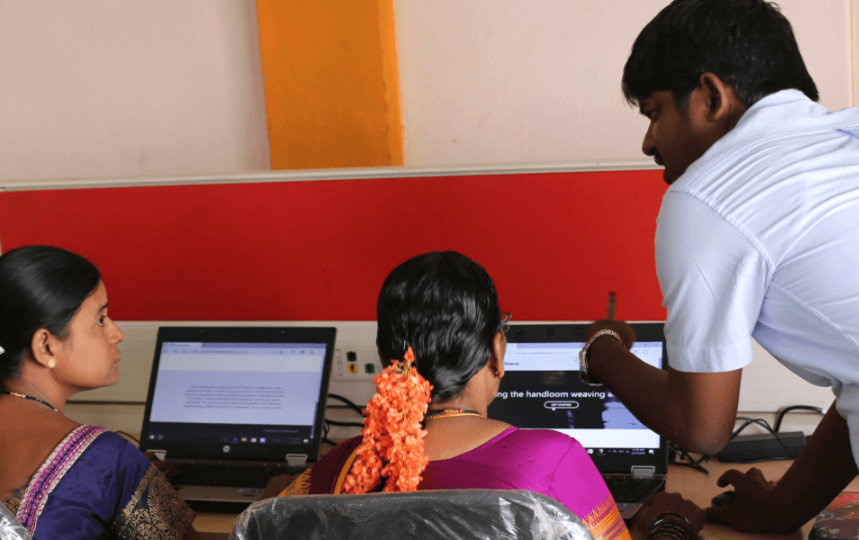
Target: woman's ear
[
  {"x": 499, "y": 348},
  {"x": 44, "y": 346}
]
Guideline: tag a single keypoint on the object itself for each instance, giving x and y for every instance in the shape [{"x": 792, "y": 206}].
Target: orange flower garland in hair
[{"x": 392, "y": 444}]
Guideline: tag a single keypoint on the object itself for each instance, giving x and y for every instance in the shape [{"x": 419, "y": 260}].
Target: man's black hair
[{"x": 748, "y": 44}]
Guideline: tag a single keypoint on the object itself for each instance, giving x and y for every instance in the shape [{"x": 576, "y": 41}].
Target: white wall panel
[
  {"x": 95, "y": 89},
  {"x": 514, "y": 81}
]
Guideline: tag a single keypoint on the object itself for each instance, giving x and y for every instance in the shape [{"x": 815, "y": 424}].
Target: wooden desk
[
  {"x": 694, "y": 485},
  {"x": 700, "y": 488}
]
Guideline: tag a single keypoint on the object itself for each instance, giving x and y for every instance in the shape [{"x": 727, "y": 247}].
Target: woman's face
[{"x": 88, "y": 357}]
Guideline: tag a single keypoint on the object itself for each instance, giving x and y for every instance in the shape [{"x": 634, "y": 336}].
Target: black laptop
[
  {"x": 230, "y": 407},
  {"x": 541, "y": 389}
]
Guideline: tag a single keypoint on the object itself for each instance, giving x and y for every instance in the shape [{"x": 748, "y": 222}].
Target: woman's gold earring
[{"x": 52, "y": 363}]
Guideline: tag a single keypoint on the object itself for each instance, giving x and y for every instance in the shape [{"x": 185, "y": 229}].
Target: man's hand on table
[{"x": 749, "y": 510}]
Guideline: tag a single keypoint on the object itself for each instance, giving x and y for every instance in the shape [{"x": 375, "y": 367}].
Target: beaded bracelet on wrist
[
  {"x": 584, "y": 371},
  {"x": 671, "y": 525}
]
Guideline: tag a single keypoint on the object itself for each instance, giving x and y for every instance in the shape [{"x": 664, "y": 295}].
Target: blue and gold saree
[{"x": 95, "y": 484}]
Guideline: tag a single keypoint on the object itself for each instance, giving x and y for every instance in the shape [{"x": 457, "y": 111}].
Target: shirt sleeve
[{"x": 713, "y": 280}]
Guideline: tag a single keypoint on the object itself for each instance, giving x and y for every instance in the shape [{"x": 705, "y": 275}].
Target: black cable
[
  {"x": 786, "y": 410},
  {"x": 346, "y": 424},
  {"x": 325, "y": 429},
  {"x": 687, "y": 459},
  {"x": 349, "y": 403},
  {"x": 748, "y": 421},
  {"x": 763, "y": 423},
  {"x": 129, "y": 435},
  {"x": 328, "y": 423}
]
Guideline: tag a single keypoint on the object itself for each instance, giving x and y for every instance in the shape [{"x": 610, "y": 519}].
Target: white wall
[
  {"x": 93, "y": 88},
  {"x": 516, "y": 81}
]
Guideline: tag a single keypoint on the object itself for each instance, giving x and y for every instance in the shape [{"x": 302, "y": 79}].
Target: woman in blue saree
[{"x": 62, "y": 479}]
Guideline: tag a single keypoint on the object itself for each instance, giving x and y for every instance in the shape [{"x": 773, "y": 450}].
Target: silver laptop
[
  {"x": 541, "y": 389},
  {"x": 230, "y": 407}
]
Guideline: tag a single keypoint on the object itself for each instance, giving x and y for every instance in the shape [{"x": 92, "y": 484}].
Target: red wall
[{"x": 555, "y": 243}]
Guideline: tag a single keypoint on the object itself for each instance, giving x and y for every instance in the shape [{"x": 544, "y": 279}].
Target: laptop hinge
[
  {"x": 296, "y": 460},
  {"x": 643, "y": 471}
]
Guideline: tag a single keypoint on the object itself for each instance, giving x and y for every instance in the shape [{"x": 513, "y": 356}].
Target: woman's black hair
[
  {"x": 444, "y": 306},
  {"x": 40, "y": 287},
  {"x": 748, "y": 44}
]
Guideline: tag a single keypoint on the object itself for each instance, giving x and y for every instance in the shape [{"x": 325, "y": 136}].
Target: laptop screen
[
  {"x": 240, "y": 393},
  {"x": 541, "y": 389}
]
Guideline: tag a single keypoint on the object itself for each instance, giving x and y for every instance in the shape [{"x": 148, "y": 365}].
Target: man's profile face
[{"x": 675, "y": 136}]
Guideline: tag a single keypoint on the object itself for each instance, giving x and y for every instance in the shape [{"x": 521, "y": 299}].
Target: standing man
[{"x": 757, "y": 236}]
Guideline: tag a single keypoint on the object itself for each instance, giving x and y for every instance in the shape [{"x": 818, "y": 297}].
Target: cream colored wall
[
  {"x": 514, "y": 81},
  {"x": 127, "y": 89},
  {"x": 165, "y": 88}
]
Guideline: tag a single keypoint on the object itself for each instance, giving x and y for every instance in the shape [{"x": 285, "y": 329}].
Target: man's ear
[
  {"x": 44, "y": 346},
  {"x": 722, "y": 102}
]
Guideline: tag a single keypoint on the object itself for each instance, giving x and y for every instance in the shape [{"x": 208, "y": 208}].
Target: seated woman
[
  {"x": 62, "y": 479},
  {"x": 441, "y": 334}
]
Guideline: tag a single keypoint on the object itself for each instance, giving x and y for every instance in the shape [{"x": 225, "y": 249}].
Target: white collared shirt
[{"x": 760, "y": 237}]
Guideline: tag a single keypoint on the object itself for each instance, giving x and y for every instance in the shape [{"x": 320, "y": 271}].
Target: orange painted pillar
[{"x": 331, "y": 83}]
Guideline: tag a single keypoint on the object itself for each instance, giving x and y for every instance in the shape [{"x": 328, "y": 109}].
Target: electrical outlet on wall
[{"x": 355, "y": 362}]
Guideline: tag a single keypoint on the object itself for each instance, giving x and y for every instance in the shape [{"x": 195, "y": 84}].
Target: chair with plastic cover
[
  {"x": 10, "y": 529},
  {"x": 443, "y": 514}
]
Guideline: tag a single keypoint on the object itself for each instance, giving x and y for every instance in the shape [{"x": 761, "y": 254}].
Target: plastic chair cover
[
  {"x": 10, "y": 529},
  {"x": 466, "y": 514}
]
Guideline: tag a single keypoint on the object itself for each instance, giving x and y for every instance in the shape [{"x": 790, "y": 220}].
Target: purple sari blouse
[
  {"x": 95, "y": 484},
  {"x": 539, "y": 460}
]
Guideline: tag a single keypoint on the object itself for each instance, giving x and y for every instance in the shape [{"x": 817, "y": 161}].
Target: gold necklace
[{"x": 450, "y": 413}]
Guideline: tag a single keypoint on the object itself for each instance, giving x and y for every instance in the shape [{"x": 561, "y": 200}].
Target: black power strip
[{"x": 763, "y": 446}]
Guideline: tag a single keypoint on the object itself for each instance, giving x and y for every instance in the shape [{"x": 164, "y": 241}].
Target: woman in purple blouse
[{"x": 444, "y": 307}]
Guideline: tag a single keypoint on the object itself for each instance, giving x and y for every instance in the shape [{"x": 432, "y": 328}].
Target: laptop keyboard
[
  {"x": 626, "y": 489},
  {"x": 201, "y": 472}
]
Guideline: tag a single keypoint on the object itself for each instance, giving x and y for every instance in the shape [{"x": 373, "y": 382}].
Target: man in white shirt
[{"x": 757, "y": 236}]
